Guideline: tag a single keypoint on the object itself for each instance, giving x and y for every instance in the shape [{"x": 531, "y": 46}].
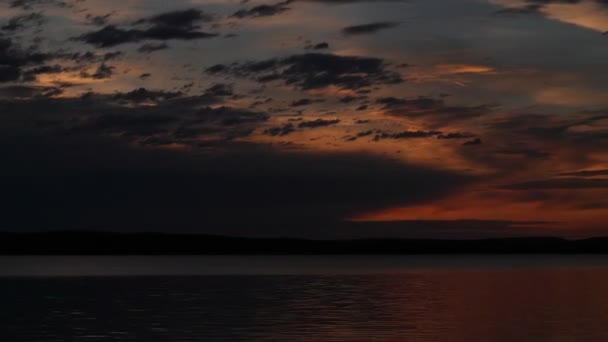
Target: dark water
[{"x": 441, "y": 298}]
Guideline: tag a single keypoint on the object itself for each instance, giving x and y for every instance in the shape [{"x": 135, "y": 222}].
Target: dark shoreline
[{"x": 101, "y": 243}]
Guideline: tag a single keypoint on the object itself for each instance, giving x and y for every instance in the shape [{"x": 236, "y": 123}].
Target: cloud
[
  {"x": 280, "y": 131},
  {"x": 103, "y": 72},
  {"x": 229, "y": 116},
  {"x": 144, "y": 95},
  {"x": 368, "y": 28},
  {"x": 305, "y": 102},
  {"x": 16, "y": 92},
  {"x": 525, "y": 152},
  {"x": 263, "y": 10},
  {"x": 180, "y": 25},
  {"x": 344, "y": 2},
  {"x": 315, "y": 71},
  {"x": 13, "y": 60},
  {"x": 31, "y": 74},
  {"x": 112, "y": 36},
  {"x": 29, "y": 4},
  {"x": 318, "y": 123},
  {"x": 454, "y": 69},
  {"x": 23, "y": 21},
  {"x": 360, "y": 135},
  {"x": 89, "y": 57},
  {"x": 406, "y": 135},
  {"x": 585, "y": 173},
  {"x": 140, "y": 117},
  {"x": 456, "y": 135},
  {"x": 432, "y": 109},
  {"x": 186, "y": 19},
  {"x": 320, "y": 46},
  {"x": 220, "y": 90},
  {"x": 99, "y": 20},
  {"x": 560, "y": 183},
  {"x": 125, "y": 124},
  {"x": 151, "y": 47},
  {"x": 474, "y": 142},
  {"x": 590, "y": 14},
  {"x": 526, "y": 9},
  {"x": 9, "y": 73},
  {"x": 54, "y": 181}
]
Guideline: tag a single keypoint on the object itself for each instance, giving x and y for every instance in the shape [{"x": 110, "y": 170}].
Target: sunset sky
[{"x": 305, "y": 118}]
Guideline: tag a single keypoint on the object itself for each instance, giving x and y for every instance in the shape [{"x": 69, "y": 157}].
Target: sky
[{"x": 305, "y": 118}]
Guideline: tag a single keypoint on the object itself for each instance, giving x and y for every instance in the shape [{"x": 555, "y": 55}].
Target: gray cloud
[
  {"x": 263, "y": 10},
  {"x": 368, "y": 28},
  {"x": 180, "y": 25},
  {"x": 315, "y": 70}
]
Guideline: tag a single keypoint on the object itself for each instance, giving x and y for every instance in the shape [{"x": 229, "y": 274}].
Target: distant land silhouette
[{"x": 107, "y": 243}]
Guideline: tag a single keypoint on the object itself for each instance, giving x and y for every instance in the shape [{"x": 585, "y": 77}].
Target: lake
[{"x": 304, "y": 298}]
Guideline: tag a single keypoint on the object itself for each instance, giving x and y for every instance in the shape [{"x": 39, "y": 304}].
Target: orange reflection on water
[{"x": 455, "y": 306}]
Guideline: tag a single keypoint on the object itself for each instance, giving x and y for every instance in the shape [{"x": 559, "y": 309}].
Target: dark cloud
[
  {"x": 305, "y": 102},
  {"x": 360, "y": 135},
  {"x": 349, "y": 99},
  {"x": 229, "y": 116},
  {"x": 216, "y": 69},
  {"x": 24, "y": 21},
  {"x": 421, "y": 102},
  {"x": 281, "y": 130},
  {"x": 525, "y": 152},
  {"x": 552, "y": 129},
  {"x": 99, "y": 20},
  {"x": 186, "y": 19},
  {"x": 47, "y": 69},
  {"x": 406, "y": 135},
  {"x": 456, "y": 135},
  {"x": 560, "y": 183},
  {"x": 29, "y": 4},
  {"x": 144, "y": 95},
  {"x": 89, "y": 57},
  {"x": 535, "y": 7},
  {"x": 151, "y": 47},
  {"x": 527, "y": 9},
  {"x": 141, "y": 117},
  {"x": 368, "y": 28},
  {"x": 585, "y": 173},
  {"x": 220, "y": 90},
  {"x": 103, "y": 71},
  {"x": 315, "y": 71},
  {"x": 13, "y": 60},
  {"x": 80, "y": 181},
  {"x": 263, "y": 10},
  {"x": 28, "y": 92},
  {"x": 112, "y": 36},
  {"x": 180, "y": 25},
  {"x": 125, "y": 123},
  {"x": 320, "y": 46},
  {"x": 433, "y": 109},
  {"x": 30, "y": 75},
  {"x": 9, "y": 73},
  {"x": 474, "y": 142},
  {"x": 318, "y": 123},
  {"x": 344, "y": 2}
]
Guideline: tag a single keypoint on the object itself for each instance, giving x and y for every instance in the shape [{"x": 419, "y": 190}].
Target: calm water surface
[{"x": 287, "y": 298}]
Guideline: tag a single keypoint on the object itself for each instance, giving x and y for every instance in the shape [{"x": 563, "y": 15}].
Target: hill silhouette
[{"x": 102, "y": 243}]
